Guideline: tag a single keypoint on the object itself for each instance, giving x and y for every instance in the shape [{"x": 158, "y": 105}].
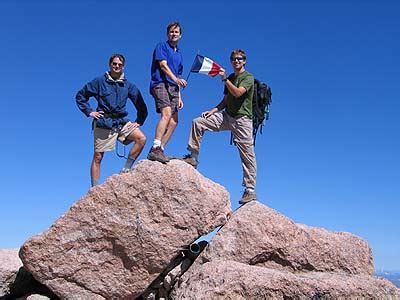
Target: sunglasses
[
  {"x": 237, "y": 58},
  {"x": 117, "y": 64}
]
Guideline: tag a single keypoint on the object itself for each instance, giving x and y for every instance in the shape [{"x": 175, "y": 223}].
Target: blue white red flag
[{"x": 204, "y": 65}]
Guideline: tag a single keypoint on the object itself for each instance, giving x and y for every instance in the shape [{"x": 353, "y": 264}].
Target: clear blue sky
[{"x": 329, "y": 156}]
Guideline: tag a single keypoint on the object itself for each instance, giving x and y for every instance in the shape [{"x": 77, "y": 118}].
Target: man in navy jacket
[{"x": 110, "y": 121}]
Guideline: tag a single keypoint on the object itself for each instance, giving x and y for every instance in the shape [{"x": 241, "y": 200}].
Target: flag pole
[{"x": 187, "y": 78}]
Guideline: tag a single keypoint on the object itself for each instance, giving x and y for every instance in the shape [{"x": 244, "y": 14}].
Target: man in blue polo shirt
[{"x": 166, "y": 69}]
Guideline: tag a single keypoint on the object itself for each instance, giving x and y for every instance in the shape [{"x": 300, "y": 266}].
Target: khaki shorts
[{"x": 105, "y": 139}]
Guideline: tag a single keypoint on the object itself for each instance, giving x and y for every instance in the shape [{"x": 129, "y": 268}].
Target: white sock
[{"x": 156, "y": 143}]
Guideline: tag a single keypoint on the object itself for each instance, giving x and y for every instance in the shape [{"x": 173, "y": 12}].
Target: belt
[{"x": 114, "y": 115}]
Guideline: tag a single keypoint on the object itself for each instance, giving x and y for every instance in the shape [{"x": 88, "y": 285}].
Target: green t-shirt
[{"x": 242, "y": 106}]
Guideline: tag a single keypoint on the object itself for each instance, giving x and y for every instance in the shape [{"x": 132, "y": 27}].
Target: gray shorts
[
  {"x": 166, "y": 95},
  {"x": 105, "y": 139}
]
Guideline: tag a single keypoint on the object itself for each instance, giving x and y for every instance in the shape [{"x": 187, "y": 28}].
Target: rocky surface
[
  {"x": 15, "y": 281},
  {"x": 34, "y": 297},
  {"x": 261, "y": 254},
  {"x": 259, "y": 235},
  {"x": 129, "y": 238},
  {"x": 9, "y": 267},
  {"x": 233, "y": 280},
  {"x": 120, "y": 236}
]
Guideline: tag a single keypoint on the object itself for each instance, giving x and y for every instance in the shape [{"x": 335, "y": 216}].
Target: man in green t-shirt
[{"x": 234, "y": 113}]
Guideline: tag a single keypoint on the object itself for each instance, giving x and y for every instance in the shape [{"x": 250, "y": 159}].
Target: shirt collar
[
  {"x": 120, "y": 79},
  {"x": 176, "y": 47}
]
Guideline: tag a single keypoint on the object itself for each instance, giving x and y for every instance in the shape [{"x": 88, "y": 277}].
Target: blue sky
[{"x": 328, "y": 157}]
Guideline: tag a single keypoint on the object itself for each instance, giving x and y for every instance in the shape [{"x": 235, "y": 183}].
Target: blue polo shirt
[{"x": 164, "y": 51}]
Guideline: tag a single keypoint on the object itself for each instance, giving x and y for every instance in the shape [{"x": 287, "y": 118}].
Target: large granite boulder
[
  {"x": 9, "y": 267},
  {"x": 261, "y": 254},
  {"x": 220, "y": 279},
  {"x": 258, "y": 235},
  {"x": 120, "y": 236},
  {"x": 15, "y": 281}
]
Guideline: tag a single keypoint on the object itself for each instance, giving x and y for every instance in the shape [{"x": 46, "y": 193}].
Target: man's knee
[
  {"x": 138, "y": 137},
  {"x": 196, "y": 121},
  {"x": 166, "y": 113},
  {"x": 97, "y": 157},
  {"x": 173, "y": 123},
  {"x": 141, "y": 140}
]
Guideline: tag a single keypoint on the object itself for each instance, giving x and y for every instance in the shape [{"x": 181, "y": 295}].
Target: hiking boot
[
  {"x": 170, "y": 157},
  {"x": 247, "y": 197},
  {"x": 190, "y": 160},
  {"x": 124, "y": 171},
  {"x": 157, "y": 154}
]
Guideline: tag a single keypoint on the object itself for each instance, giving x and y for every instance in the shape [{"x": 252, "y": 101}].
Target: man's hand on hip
[{"x": 96, "y": 114}]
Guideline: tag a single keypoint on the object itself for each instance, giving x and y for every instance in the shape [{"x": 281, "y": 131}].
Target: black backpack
[{"x": 262, "y": 98}]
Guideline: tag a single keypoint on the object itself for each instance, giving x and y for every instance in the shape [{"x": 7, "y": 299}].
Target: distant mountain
[{"x": 394, "y": 277}]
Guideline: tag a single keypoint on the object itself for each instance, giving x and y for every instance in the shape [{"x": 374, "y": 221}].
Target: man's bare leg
[
  {"x": 95, "y": 168},
  {"x": 140, "y": 140},
  {"x": 172, "y": 124}
]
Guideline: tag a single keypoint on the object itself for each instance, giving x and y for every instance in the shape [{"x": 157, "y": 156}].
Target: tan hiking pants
[{"x": 242, "y": 130}]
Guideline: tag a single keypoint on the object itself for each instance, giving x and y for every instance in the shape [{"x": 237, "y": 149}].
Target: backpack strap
[
  {"x": 232, "y": 141},
  {"x": 255, "y": 130}
]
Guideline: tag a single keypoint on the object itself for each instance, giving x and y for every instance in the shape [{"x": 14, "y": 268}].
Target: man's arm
[
  {"x": 235, "y": 91},
  {"x": 82, "y": 99},
  {"x": 180, "y": 82},
  {"x": 180, "y": 100},
  {"x": 167, "y": 71},
  {"x": 138, "y": 102}
]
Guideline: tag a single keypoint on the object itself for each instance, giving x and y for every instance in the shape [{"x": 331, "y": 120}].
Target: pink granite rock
[
  {"x": 232, "y": 280},
  {"x": 118, "y": 238},
  {"x": 9, "y": 267},
  {"x": 261, "y": 254},
  {"x": 15, "y": 281},
  {"x": 258, "y": 235}
]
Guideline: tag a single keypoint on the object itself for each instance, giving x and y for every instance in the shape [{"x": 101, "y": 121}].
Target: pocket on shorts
[
  {"x": 124, "y": 133},
  {"x": 155, "y": 91}
]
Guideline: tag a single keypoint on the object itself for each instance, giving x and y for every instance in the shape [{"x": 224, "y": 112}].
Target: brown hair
[
  {"x": 173, "y": 25},
  {"x": 120, "y": 56},
  {"x": 238, "y": 51}
]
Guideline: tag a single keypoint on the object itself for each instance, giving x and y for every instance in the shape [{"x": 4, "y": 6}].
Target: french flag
[{"x": 204, "y": 65}]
